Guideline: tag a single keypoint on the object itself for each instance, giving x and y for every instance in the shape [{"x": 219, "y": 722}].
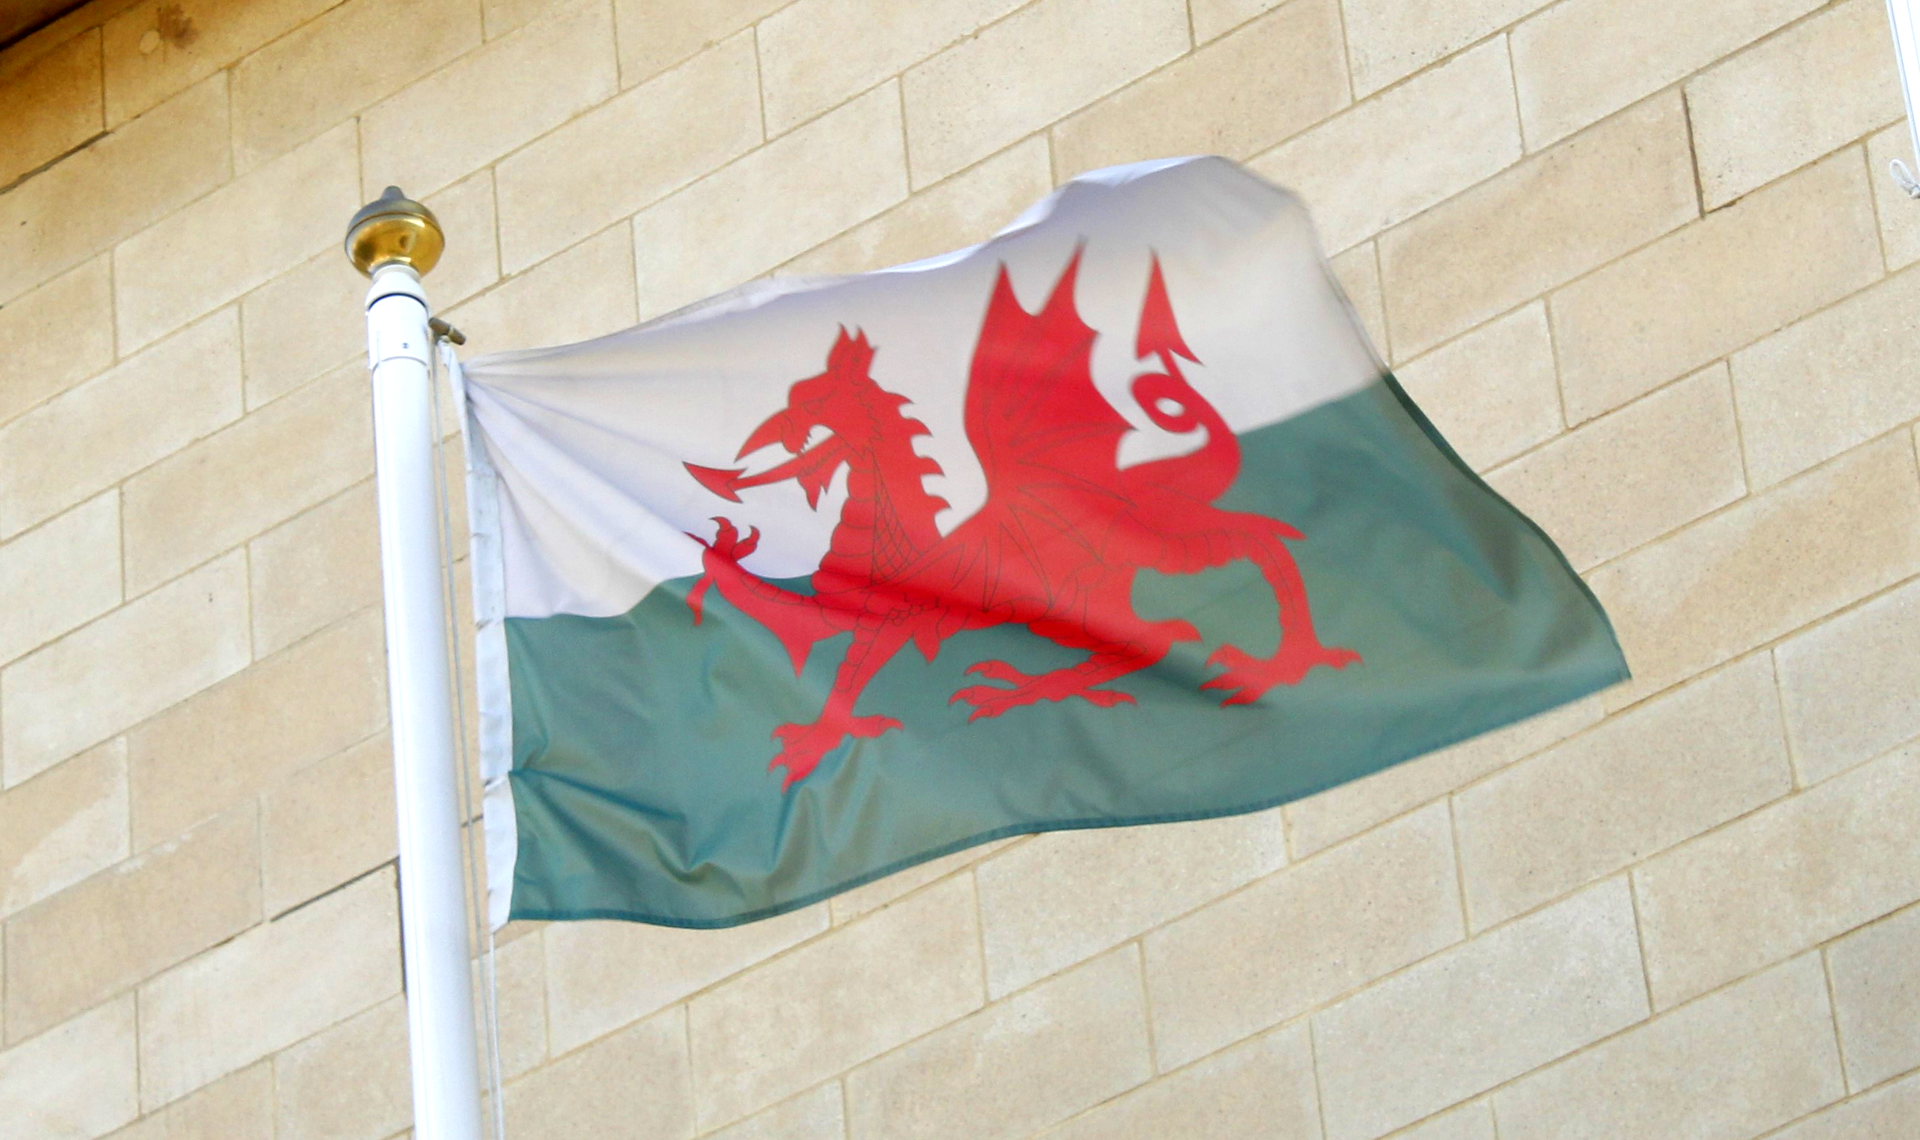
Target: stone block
[
  {"x": 59, "y": 575},
  {"x": 584, "y": 292},
  {"x": 776, "y": 202},
  {"x": 1303, "y": 937},
  {"x": 157, "y": 47},
  {"x": 863, "y": 989},
  {"x": 1792, "y": 98},
  {"x": 315, "y": 569},
  {"x": 238, "y": 1106},
  {"x": 817, "y": 54},
  {"x": 327, "y": 824},
  {"x": 55, "y": 336},
  {"x": 1736, "y": 1063},
  {"x": 1577, "y": 62},
  {"x": 1781, "y": 880},
  {"x": 1471, "y": 1121},
  {"x": 1215, "y": 17},
  {"x": 1885, "y": 1113},
  {"x": 656, "y": 34},
  {"x": 95, "y": 434},
  {"x": 102, "y": 678},
  {"x": 967, "y": 208},
  {"x": 76, "y": 1081},
  {"x": 1236, "y": 96},
  {"x": 102, "y": 935},
  {"x": 114, "y": 187},
  {"x": 1493, "y": 392},
  {"x": 1899, "y": 227},
  {"x": 1851, "y": 685},
  {"x": 520, "y": 1003},
  {"x": 1715, "y": 286},
  {"x": 1481, "y": 1014},
  {"x": 1389, "y": 40},
  {"x": 1830, "y": 382},
  {"x": 1024, "y": 72},
  {"x": 1535, "y": 225},
  {"x": 489, "y": 101},
  {"x": 290, "y": 455},
  {"x": 1876, "y": 998},
  {"x": 63, "y": 826},
  {"x": 1347, "y": 809},
  {"x": 1404, "y": 150},
  {"x": 604, "y": 975},
  {"x": 233, "y": 741},
  {"x": 242, "y": 235},
  {"x": 276, "y": 984},
  {"x": 50, "y": 102},
  {"x": 1118, "y": 882},
  {"x": 815, "y": 1115},
  {"x": 351, "y": 1081},
  {"x": 1743, "y": 577},
  {"x": 1047, "y": 1053},
  {"x": 1638, "y": 783},
  {"x": 322, "y": 73},
  {"x": 1263, "y": 1087},
  {"x": 634, "y": 1083},
  {"x": 309, "y": 320},
  {"x": 1357, "y": 270},
  {"x": 628, "y": 152},
  {"x": 1618, "y": 482}
]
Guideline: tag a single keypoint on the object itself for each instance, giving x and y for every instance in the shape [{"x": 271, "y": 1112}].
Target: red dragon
[{"x": 1055, "y": 548}]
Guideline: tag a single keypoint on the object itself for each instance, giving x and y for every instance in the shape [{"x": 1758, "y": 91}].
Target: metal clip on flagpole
[{"x": 394, "y": 240}]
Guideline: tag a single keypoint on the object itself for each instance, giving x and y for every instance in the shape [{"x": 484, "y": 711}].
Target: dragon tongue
[{"x": 721, "y": 481}]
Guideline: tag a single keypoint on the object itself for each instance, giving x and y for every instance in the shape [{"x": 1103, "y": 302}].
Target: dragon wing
[
  {"x": 1048, "y": 442},
  {"x": 1032, "y": 412}
]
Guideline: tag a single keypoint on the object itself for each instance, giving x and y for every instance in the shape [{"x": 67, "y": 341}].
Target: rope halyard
[{"x": 480, "y": 933}]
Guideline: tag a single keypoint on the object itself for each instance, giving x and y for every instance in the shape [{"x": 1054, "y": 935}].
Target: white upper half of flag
[{"x": 589, "y": 441}]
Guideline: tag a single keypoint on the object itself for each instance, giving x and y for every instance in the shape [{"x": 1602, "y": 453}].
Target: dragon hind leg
[
  {"x": 875, "y": 640},
  {"x": 1247, "y": 678},
  {"x": 1108, "y": 661}
]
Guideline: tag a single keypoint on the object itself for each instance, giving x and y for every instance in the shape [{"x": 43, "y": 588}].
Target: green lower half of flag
[{"x": 641, "y": 742}]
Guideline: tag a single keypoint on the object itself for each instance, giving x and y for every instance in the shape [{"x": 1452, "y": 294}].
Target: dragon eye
[{"x": 1169, "y": 406}]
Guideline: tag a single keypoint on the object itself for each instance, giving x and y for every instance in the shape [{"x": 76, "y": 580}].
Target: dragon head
[{"x": 842, "y": 400}]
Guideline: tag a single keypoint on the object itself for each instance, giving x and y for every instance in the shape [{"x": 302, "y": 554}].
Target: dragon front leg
[
  {"x": 1247, "y": 677},
  {"x": 797, "y": 620}
]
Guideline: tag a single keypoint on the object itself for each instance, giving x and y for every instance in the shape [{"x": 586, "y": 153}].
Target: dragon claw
[
  {"x": 991, "y": 700},
  {"x": 802, "y": 745},
  {"x": 727, "y": 543},
  {"x": 999, "y": 671},
  {"x": 726, "y": 548},
  {"x": 1247, "y": 678}
]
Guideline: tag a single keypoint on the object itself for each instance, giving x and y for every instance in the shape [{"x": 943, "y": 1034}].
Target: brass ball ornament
[{"x": 393, "y": 229}]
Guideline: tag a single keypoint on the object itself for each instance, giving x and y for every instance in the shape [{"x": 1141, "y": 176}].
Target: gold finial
[{"x": 394, "y": 229}]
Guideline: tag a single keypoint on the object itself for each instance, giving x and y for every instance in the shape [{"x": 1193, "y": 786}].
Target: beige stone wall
[{"x": 1639, "y": 258}]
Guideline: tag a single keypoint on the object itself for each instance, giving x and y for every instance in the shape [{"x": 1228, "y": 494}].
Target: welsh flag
[{"x": 1115, "y": 518}]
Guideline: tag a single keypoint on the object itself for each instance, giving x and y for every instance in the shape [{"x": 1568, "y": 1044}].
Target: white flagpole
[
  {"x": 1904, "y": 18},
  {"x": 394, "y": 240}
]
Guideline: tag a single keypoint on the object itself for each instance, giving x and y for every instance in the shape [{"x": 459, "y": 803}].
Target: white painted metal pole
[
  {"x": 1905, "y": 21},
  {"x": 433, "y": 910}
]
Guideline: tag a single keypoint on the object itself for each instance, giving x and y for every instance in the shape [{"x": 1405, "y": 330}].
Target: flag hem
[{"x": 493, "y": 692}]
